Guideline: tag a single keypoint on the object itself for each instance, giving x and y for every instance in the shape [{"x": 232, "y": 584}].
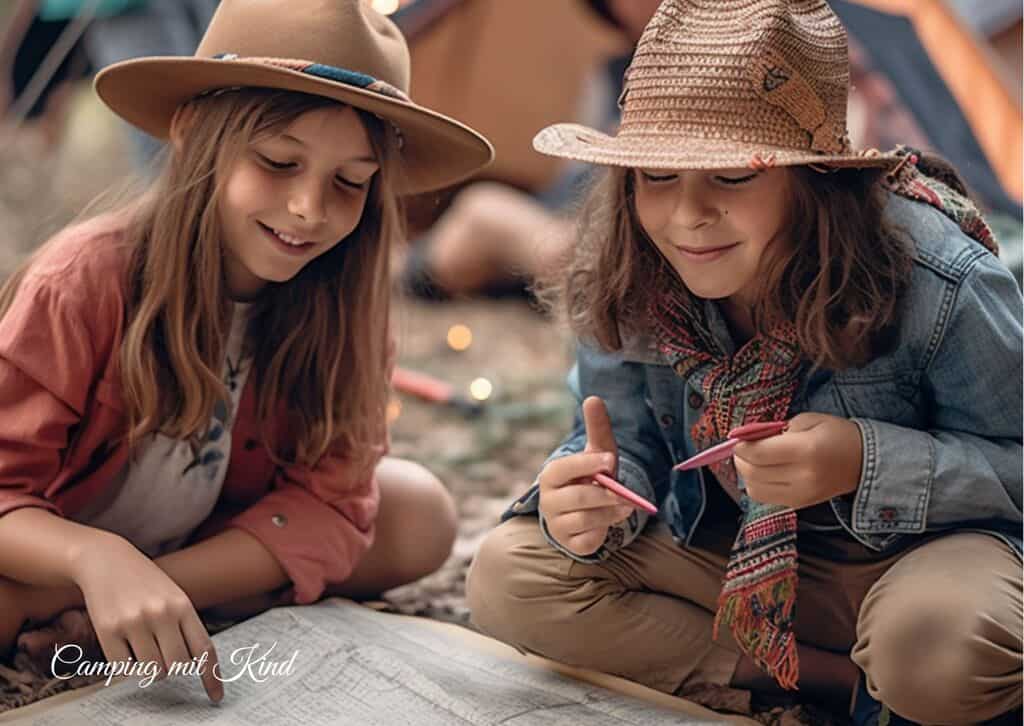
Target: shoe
[{"x": 866, "y": 711}]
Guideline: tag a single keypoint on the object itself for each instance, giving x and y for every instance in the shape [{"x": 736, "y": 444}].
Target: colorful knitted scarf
[{"x": 757, "y": 383}]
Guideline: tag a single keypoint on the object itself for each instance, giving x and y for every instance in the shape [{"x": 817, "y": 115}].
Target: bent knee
[
  {"x": 417, "y": 518},
  {"x": 936, "y": 659},
  {"x": 518, "y": 584}
]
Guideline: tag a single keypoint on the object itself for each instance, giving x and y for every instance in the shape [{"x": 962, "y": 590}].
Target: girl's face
[
  {"x": 292, "y": 196},
  {"x": 714, "y": 227}
]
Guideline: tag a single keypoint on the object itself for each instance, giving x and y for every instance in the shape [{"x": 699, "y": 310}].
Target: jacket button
[
  {"x": 279, "y": 520},
  {"x": 250, "y": 444},
  {"x": 679, "y": 367},
  {"x": 888, "y": 514},
  {"x": 695, "y": 400},
  {"x": 667, "y": 420}
]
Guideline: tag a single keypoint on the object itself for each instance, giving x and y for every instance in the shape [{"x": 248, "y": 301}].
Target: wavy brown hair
[
  {"x": 839, "y": 279},
  {"x": 319, "y": 342}
]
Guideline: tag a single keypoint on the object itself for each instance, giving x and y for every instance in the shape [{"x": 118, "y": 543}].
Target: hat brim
[
  {"x": 438, "y": 151},
  {"x": 659, "y": 151}
]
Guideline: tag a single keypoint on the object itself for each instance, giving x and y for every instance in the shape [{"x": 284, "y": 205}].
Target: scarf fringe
[{"x": 771, "y": 648}]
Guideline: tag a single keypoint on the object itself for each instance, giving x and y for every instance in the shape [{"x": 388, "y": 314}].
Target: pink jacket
[{"x": 62, "y": 415}]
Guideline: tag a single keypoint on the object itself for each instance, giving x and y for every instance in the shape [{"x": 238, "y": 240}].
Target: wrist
[{"x": 85, "y": 549}]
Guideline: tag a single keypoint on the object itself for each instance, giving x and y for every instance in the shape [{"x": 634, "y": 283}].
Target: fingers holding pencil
[{"x": 578, "y": 513}]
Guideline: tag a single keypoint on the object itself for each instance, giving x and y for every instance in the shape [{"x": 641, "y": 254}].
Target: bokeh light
[
  {"x": 481, "y": 389},
  {"x": 460, "y": 337},
  {"x": 385, "y": 7}
]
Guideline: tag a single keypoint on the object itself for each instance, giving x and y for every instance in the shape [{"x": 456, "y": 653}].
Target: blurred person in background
[
  {"x": 99, "y": 33},
  {"x": 494, "y": 238}
]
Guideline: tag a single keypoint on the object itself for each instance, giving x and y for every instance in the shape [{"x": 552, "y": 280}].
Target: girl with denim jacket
[
  {"x": 193, "y": 386},
  {"x": 739, "y": 263}
]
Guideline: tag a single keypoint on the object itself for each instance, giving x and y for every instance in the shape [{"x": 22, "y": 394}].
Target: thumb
[
  {"x": 600, "y": 436},
  {"x": 806, "y": 421}
]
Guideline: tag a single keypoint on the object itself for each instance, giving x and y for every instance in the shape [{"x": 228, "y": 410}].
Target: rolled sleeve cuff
[
  {"x": 10, "y": 502},
  {"x": 314, "y": 543},
  {"x": 897, "y": 472}
]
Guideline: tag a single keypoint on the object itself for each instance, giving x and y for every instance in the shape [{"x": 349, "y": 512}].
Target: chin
[
  {"x": 707, "y": 292},
  {"x": 277, "y": 275}
]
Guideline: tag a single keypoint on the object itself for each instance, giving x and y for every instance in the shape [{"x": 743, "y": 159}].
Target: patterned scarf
[{"x": 757, "y": 383}]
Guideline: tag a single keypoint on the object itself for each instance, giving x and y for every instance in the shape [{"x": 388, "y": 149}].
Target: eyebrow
[{"x": 300, "y": 142}]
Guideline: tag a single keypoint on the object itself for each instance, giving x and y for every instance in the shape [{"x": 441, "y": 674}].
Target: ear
[{"x": 181, "y": 124}]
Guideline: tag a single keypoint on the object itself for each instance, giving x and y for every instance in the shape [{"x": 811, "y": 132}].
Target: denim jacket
[{"x": 940, "y": 416}]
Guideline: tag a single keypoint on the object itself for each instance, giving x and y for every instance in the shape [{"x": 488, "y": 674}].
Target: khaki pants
[{"x": 936, "y": 629}]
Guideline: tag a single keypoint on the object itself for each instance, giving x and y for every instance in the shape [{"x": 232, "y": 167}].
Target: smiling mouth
[
  {"x": 705, "y": 250},
  {"x": 286, "y": 238}
]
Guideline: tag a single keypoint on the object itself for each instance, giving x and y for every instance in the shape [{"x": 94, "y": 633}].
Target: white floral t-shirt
[{"x": 168, "y": 489}]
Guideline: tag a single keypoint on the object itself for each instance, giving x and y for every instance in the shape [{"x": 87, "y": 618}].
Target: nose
[
  {"x": 306, "y": 201},
  {"x": 694, "y": 208}
]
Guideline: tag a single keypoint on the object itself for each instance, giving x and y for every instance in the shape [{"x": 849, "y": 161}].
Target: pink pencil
[
  {"x": 630, "y": 496},
  {"x": 718, "y": 452}
]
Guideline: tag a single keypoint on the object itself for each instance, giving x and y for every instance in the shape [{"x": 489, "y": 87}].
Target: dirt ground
[{"x": 484, "y": 461}]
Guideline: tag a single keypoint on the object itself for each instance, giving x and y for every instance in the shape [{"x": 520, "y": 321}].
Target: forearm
[
  {"x": 40, "y": 548},
  {"x": 226, "y": 567}
]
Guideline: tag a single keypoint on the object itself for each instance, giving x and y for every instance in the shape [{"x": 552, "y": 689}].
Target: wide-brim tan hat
[
  {"x": 722, "y": 84},
  {"x": 339, "y": 49}
]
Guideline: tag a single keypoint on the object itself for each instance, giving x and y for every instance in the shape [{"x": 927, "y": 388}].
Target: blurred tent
[
  {"x": 507, "y": 68},
  {"x": 950, "y": 79}
]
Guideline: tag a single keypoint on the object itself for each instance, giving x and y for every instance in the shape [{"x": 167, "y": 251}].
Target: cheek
[
  {"x": 652, "y": 212},
  {"x": 760, "y": 219},
  {"x": 246, "y": 192},
  {"x": 346, "y": 214}
]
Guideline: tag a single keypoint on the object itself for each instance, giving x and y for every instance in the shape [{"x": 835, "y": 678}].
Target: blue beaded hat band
[{"x": 332, "y": 73}]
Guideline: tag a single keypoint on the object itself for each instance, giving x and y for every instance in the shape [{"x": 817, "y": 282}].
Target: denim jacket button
[
  {"x": 667, "y": 420},
  {"x": 678, "y": 540},
  {"x": 696, "y": 400},
  {"x": 279, "y": 520},
  {"x": 679, "y": 367}
]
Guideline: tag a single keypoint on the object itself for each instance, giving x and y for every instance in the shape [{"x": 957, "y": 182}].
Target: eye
[
  {"x": 358, "y": 186},
  {"x": 736, "y": 180},
  {"x": 277, "y": 165},
  {"x": 657, "y": 178}
]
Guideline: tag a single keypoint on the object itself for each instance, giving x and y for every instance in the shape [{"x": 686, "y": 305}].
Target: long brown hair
[
  {"x": 839, "y": 280},
  {"x": 319, "y": 342}
]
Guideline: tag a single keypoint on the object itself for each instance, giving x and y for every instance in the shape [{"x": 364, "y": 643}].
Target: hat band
[{"x": 327, "y": 72}]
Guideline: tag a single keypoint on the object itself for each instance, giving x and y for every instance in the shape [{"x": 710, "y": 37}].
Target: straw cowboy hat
[
  {"x": 341, "y": 49},
  {"x": 719, "y": 84}
]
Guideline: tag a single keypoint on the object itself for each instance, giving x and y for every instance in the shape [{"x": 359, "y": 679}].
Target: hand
[
  {"x": 818, "y": 457},
  {"x": 139, "y": 612},
  {"x": 577, "y": 510}
]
